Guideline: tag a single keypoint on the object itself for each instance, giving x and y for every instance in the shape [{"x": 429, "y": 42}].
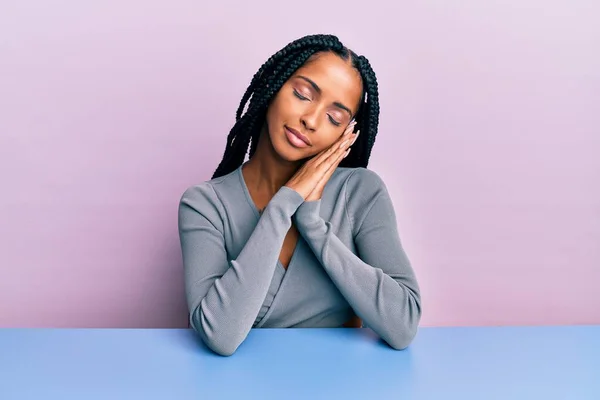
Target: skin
[
  {"x": 317, "y": 116},
  {"x": 324, "y": 114}
]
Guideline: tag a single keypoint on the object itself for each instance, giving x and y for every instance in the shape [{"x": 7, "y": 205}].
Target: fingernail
[
  {"x": 344, "y": 143},
  {"x": 354, "y": 138},
  {"x": 349, "y": 128},
  {"x": 347, "y": 152}
]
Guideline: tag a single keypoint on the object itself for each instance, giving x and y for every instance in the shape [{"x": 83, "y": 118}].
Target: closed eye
[
  {"x": 333, "y": 121},
  {"x": 298, "y": 95}
]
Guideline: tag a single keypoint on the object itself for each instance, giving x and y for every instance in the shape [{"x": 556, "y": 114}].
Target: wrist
[
  {"x": 314, "y": 195},
  {"x": 308, "y": 213},
  {"x": 285, "y": 202}
]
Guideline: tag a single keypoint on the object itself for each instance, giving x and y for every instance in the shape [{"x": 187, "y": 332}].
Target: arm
[
  {"x": 224, "y": 297},
  {"x": 378, "y": 283}
]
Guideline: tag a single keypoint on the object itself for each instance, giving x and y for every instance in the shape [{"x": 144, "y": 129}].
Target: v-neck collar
[
  {"x": 247, "y": 192},
  {"x": 258, "y": 214}
]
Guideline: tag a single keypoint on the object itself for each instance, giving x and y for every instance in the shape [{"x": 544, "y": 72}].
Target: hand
[{"x": 312, "y": 177}]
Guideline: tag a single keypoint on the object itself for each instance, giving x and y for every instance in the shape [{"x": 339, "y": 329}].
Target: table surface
[{"x": 442, "y": 363}]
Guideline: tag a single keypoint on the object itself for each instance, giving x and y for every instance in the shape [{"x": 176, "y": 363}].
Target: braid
[
  {"x": 367, "y": 117},
  {"x": 269, "y": 79}
]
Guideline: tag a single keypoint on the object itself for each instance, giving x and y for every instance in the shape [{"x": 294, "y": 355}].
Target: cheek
[
  {"x": 274, "y": 114},
  {"x": 280, "y": 107},
  {"x": 327, "y": 139}
]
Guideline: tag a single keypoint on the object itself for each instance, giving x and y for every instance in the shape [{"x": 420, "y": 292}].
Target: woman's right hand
[{"x": 318, "y": 169}]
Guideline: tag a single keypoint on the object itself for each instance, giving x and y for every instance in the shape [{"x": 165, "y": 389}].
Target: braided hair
[{"x": 269, "y": 79}]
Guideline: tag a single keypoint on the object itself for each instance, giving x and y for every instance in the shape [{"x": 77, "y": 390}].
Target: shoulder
[
  {"x": 205, "y": 198},
  {"x": 364, "y": 178},
  {"x": 361, "y": 183},
  {"x": 364, "y": 188},
  {"x": 210, "y": 190}
]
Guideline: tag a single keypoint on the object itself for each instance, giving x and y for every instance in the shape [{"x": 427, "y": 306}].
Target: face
[{"x": 316, "y": 104}]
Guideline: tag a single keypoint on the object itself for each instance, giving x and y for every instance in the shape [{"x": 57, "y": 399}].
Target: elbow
[
  {"x": 222, "y": 343},
  {"x": 406, "y": 329},
  {"x": 222, "y": 347},
  {"x": 402, "y": 340}
]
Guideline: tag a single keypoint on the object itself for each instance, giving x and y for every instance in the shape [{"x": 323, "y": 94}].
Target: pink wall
[{"x": 489, "y": 143}]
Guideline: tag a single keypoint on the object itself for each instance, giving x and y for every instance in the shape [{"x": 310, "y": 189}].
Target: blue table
[{"x": 442, "y": 363}]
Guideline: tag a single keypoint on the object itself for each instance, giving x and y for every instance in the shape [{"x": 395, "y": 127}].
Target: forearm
[
  {"x": 224, "y": 314},
  {"x": 388, "y": 303}
]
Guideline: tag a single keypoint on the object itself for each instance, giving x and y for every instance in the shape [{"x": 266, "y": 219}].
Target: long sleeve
[
  {"x": 224, "y": 297},
  {"x": 378, "y": 282}
]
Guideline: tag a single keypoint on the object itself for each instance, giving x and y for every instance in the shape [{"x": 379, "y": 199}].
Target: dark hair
[{"x": 268, "y": 81}]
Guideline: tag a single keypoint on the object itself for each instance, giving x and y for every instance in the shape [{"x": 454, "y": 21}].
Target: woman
[{"x": 302, "y": 234}]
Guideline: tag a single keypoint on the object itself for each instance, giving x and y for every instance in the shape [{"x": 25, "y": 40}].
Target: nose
[{"x": 310, "y": 119}]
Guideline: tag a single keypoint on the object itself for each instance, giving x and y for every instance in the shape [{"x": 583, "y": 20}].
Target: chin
[{"x": 290, "y": 154}]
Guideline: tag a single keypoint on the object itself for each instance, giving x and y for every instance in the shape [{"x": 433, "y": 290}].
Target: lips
[{"x": 298, "y": 135}]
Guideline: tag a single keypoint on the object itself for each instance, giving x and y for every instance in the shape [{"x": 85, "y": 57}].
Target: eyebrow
[{"x": 318, "y": 90}]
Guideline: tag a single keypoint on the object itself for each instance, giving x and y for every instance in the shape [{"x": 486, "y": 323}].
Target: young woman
[{"x": 302, "y": 234}]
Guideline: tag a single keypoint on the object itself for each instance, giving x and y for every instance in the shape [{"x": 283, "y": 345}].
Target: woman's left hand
[{"x": 318, "y": 190}]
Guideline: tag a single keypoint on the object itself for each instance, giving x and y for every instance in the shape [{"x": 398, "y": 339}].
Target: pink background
[{"x": 489, "y": 143}]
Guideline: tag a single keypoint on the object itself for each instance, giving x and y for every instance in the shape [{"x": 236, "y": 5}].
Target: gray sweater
[{"x": 349, "y": 259}]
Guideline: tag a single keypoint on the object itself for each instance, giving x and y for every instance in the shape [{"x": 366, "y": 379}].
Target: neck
[{"x": 266, "y": 172}]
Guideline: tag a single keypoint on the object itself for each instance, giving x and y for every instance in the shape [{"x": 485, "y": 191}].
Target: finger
[
  {"x": 355, "y": 137},
  {"x": 327, "y": 153},
  {"x": 332, "y": 167},
  {"x": 344, "y": 146},
  {"x": 336, "y": 149},
  {"x": 349, "y": 129},
  {"x": 319, "y": 158},
  {"x": 341, "y": 152}
]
